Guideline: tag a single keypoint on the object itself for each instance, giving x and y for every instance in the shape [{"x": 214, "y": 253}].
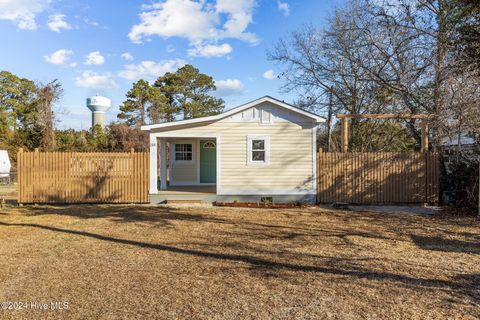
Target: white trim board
[
  {"x": 256, "y": 192},
  {"x": 218, "y": 140},
  {"x": 228, "y": 113},
  {"x": 189, "y": 183},
  {"x": 153, "y": 184},
  {"x": 173, "y": 134},
  {"x": 314, "y": 159}
]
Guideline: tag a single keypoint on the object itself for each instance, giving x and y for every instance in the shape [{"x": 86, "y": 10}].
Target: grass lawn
[{"x": 127, "y": 262}]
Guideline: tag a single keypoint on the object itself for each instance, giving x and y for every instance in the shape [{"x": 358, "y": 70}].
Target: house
[
  {"x": 458, "y": 142},
  {"x": 460, "y": 157},
  {"x": 265, "y": 148}
]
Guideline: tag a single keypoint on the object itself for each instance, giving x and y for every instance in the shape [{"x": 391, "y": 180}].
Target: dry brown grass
[
  {"x": 126, "y": 262},
  {"x": 8, "y": 191}
]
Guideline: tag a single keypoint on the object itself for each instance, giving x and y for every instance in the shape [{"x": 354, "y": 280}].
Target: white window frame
[
  {"x": 174, "y": 158},
  {"x": 266, "y": 140}
]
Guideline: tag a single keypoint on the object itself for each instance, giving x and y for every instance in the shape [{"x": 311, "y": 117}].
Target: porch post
[
  {"x": 163, "y": 164},
  {"x": 153, "y": 164}
]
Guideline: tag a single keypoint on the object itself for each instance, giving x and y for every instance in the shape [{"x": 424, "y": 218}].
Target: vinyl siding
[
  {"x": 291, "y": 163},
  {"x": 184, "y": 173}
]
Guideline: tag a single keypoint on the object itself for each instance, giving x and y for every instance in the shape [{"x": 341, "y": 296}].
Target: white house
[{"x": 264, "y": 148}]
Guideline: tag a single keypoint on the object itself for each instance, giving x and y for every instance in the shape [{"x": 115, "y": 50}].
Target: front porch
[
  {"x": 200, "y": 193},
  {"x": 183, "y": 167}
]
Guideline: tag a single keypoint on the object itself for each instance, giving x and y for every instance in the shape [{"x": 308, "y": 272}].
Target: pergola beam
[
  {"x": 384, "y": 116},
  {"x": 423, "y": 117}
]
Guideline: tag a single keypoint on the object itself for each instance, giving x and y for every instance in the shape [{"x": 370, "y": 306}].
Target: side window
[{"x": 258, "y": 149}]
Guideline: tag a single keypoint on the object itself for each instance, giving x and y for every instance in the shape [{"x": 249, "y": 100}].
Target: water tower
[{"x": 98, "y": 105}]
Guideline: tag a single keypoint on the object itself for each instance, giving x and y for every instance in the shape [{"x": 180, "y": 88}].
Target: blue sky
[{"x": 104, "y": 46}]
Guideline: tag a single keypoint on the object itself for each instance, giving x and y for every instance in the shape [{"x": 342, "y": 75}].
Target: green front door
[{"x": 208, "y": 161}]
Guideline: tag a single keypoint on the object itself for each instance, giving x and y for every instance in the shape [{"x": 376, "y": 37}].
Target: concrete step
[{"x": 184, "y": 201}]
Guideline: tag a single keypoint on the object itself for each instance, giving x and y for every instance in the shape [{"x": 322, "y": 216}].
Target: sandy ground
[{"x": 152, "y": 262}]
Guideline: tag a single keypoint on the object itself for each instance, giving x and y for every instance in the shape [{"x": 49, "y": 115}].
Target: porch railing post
[
  {"x": 153, "y": 189},
  {"x": 163, "y": 164}
]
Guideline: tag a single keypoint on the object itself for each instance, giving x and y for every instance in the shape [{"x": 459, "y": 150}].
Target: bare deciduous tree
[{"x": 48, "y": 95}]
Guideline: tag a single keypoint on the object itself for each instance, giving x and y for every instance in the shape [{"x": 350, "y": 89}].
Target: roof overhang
[{"x": 230, "y": 112}]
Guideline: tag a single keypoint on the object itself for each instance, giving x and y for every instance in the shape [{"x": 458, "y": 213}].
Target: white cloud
[
  {"x": 198, "y": 21},
  {"x": 59, "y": 57},
  {"x": 181, "y": 18},
  {"x": 284, "y": 7},
  {"x": 239, "y": 16},
  {"x": 210, "y": 50},
  {"x": 94, "y": 24},
  {"x": 56, "y": 22},
  {"x": 170, "y": 48},
  {"x": 229, "y": 87},
  {"x": 22, "y": 12},
  {"x": 149, "y": 70},
  {"x": 94, "y": 57},
  {"x": 127, "y": 56},
  {"x": 94, "y": 80},
  {"x": 269, "y": 74}
]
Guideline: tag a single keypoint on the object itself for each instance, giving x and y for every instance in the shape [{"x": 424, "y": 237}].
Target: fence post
[
  {"x": 344, "y": 123},
  {"x": 132, "y": 176},
  {"x": 36, "y": 194},
  {"x": 424, "y": 144},
  {"x": 21, "y": 185}
]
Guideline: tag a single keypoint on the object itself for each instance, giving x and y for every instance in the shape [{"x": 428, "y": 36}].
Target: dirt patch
[{"x": 127, "y": 262}]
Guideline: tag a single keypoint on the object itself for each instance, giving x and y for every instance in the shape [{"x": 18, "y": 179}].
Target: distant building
[
  {"x": 463, "y": 141},
  {"x": 5, "y": 165}
]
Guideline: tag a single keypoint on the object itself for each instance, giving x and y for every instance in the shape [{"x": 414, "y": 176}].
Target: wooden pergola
[{"x": 423, "y": 117}]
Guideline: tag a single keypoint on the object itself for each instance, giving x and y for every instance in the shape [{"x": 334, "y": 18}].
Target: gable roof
[{"x": 230, "y": 112}]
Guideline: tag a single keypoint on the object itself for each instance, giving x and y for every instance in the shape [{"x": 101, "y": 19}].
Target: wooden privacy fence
[
  {"x": 82, "y": 177},
  {"x": 378, "y": 177}
]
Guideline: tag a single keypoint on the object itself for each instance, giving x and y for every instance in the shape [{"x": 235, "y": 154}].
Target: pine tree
[
  {"x": 144, "y": 104},
  {"x": 188, "y": 93}
]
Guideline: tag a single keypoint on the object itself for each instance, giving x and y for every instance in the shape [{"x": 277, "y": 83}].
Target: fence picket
[
  {"x": 77, "y": 177},
  {"x": 377, "y": 177}
]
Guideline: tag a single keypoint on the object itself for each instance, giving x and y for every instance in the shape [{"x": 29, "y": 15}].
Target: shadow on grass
[
  {"x": 381, "y": 226},
  {"x": 159, "y": 216},
  {"x": 465, "y": 284},
  {"x": 436, "y": 243}
]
